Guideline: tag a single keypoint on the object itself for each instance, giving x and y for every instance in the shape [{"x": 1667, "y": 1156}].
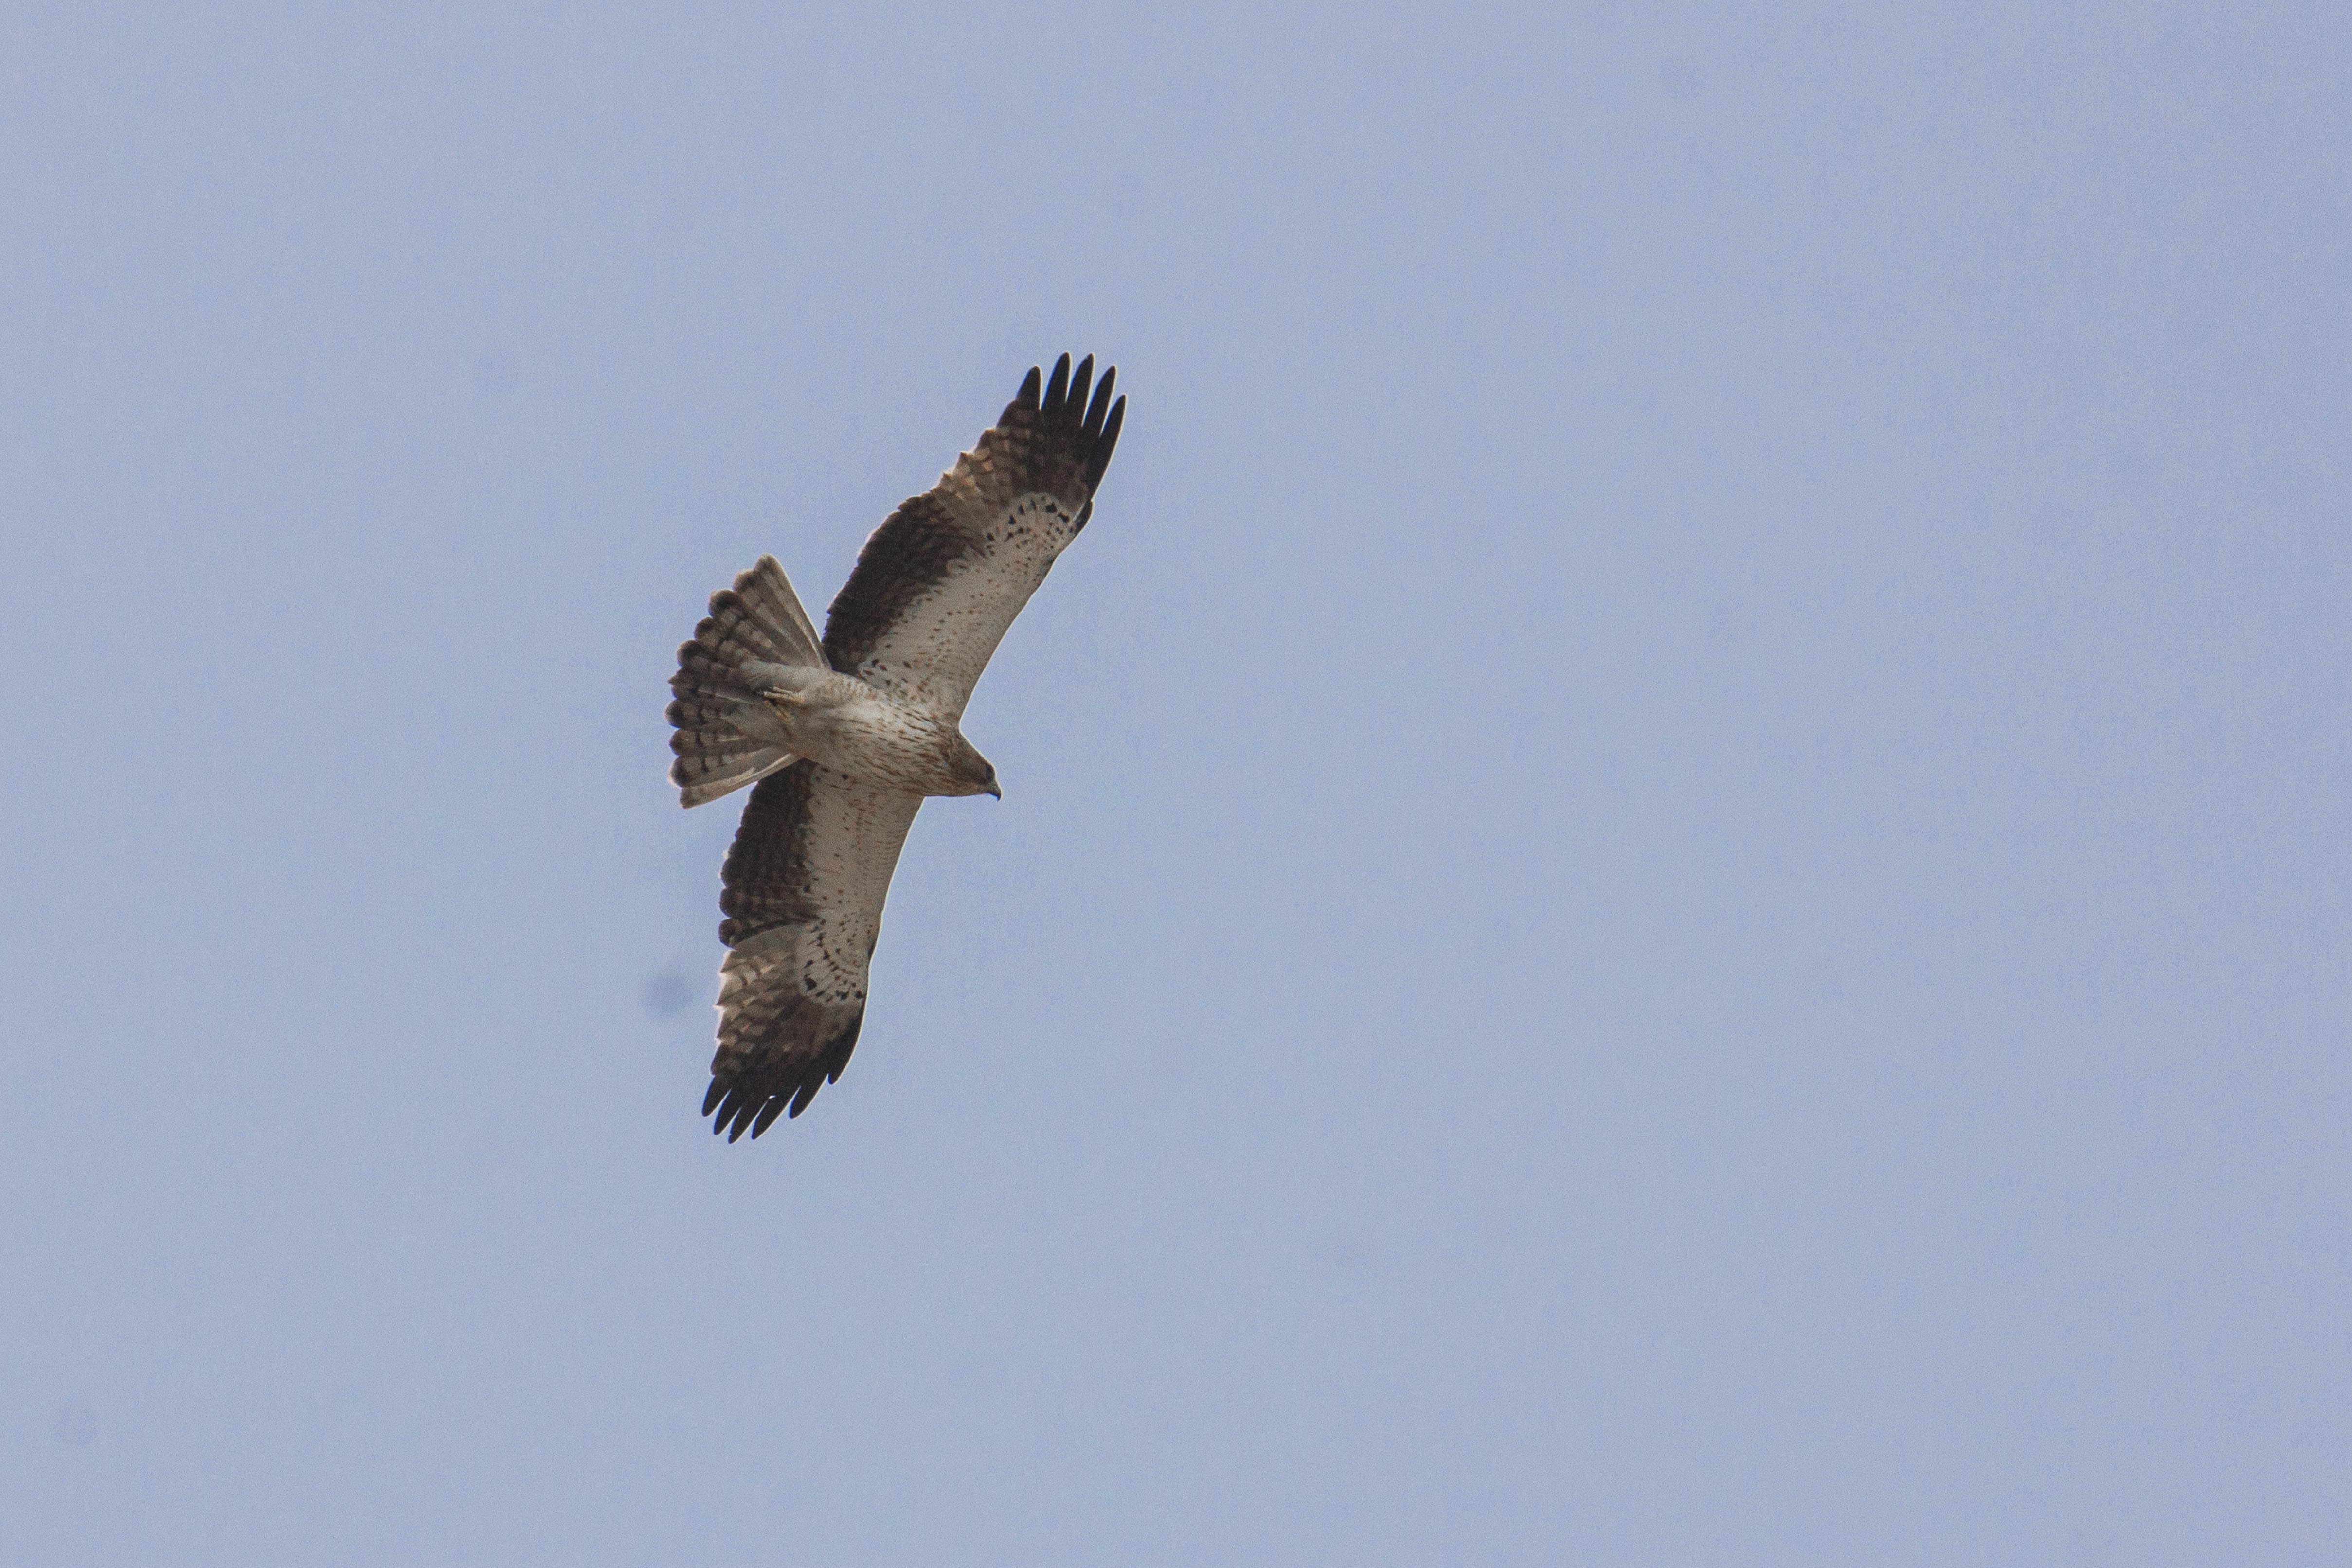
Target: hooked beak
[{"x": 996, "y": 792}]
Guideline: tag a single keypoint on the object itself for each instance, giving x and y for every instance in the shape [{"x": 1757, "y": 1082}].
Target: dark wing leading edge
[
  {"x": 803, "y": 889},
  {"x": 941, "y": 579}
]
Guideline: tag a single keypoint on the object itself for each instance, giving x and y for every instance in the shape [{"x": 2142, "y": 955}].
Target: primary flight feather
[{"x": 841, "y": 739}]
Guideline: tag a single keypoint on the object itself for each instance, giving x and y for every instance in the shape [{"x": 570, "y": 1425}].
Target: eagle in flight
[{"x": 841, "y": 739}]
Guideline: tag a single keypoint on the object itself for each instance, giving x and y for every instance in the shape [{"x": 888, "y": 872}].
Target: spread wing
[
  {"x": 934, "y": 590},
  {"x": 803, "y": 889},
  {"x": 943, "y": 576}
]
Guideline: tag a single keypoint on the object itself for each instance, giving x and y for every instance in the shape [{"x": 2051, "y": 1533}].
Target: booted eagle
[{"x": 841, "y": 739}]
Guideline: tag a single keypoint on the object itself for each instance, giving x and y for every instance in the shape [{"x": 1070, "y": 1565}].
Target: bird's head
[{"x": 970, "y": 773}]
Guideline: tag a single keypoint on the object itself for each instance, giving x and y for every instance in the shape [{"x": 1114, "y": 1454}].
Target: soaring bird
[{"x": 841, "y": 739}]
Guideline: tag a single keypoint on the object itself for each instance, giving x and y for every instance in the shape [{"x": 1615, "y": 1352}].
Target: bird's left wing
[
  {"x": 803, "y": 889},
  {"x": 943, "y": 576}
]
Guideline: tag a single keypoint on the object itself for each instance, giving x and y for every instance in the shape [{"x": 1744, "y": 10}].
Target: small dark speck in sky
[{"x": 668, "y": 994}]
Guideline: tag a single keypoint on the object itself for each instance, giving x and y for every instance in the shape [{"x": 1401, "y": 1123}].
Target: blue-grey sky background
[{"x": 1673, "y": 878}]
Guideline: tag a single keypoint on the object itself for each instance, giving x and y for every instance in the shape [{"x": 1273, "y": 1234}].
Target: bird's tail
[{"x": 728, "y": 736}]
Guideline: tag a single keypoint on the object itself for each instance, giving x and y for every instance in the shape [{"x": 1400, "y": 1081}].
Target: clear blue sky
[{"x": 1672, "y": 881}]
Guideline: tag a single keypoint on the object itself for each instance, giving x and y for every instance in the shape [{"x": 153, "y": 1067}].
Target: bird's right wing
[
  {"x": 803, "y": 889},
  {"x": 937, "y": 584}
]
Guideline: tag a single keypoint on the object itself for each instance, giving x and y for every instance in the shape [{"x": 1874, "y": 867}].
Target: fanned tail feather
[{"x": 727, "y": 735}]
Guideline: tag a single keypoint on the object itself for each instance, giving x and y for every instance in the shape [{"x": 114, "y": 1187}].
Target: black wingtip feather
[
  {"x": 1057, "y": 391},
  {"x": 1072, "y": 401},
  {"x": 751, "y": 1097},
  {"x": 1103, "y": 444},
  {"x": 739, "y": 1105},
  {"x": 1101, "y": 403}
]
